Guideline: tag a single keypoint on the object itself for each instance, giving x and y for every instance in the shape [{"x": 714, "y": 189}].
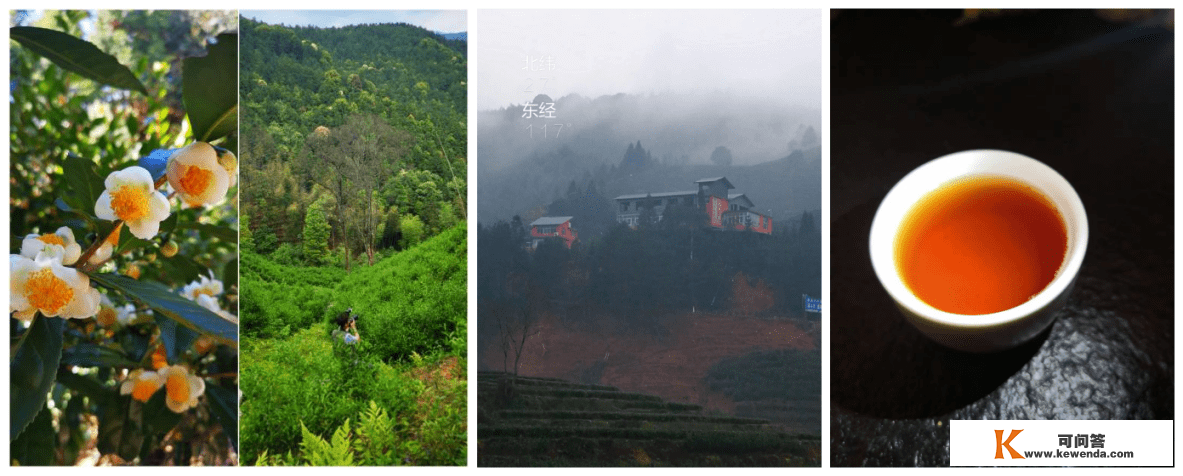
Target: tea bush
[
  {"x": 278, "y": 297},
  {"x": 308, "y": 398},
  {"x": 307, "y": 381},
  {"x": 786, "y": 373},
  {"x": 414, "y": 301}
]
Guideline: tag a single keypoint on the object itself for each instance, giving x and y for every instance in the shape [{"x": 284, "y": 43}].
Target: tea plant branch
[{"x": 84, "y": 264}]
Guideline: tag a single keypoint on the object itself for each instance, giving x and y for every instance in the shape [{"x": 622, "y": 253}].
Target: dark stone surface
[{"x": 1092, "y": 99}]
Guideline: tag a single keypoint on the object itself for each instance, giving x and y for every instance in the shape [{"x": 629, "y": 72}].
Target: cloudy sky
[
  {"x": 440, "y": 21},
  {"x": 766, "y": 53}
]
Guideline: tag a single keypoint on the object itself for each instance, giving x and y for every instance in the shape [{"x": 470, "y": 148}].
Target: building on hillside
[
  {"x": 552, "y": 228},
  {"x": 725, "y": 210}
]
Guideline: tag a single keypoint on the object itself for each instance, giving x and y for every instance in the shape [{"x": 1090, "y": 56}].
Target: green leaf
[
  {"x": 35, "y": 446},
  {"x": 83, "y": 182},
  {"x": 158, "y": 419},
  {"x": 223, "y": 233},
  {"x": 121, "y": 431},
  {"x": 183, "y": 268},
  {"x": 86, "y": 385},
  {"x": 135, "y": 343},
  {"x": 174, "y": 306},
  {"x": 128, "y": 242},
  {"x": 33, "y": 367},
  {"x": 177, "y": 339},
  {"x": 210, "y": 90},
  {"x": 230, "y": 274},
  {"x": 169, "y": 224},
  {"x": 224, "y": 405},
  {"x": 77, "y": 55},
  {"x": 92, "y": 355}
]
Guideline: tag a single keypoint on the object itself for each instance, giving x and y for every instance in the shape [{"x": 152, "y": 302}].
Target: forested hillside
[
  {"x": 353, "y": 169},
  {"x": 353, "y": 138}
]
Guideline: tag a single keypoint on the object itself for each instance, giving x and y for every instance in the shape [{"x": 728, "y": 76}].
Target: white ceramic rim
[{"x": 940, "y": 171}]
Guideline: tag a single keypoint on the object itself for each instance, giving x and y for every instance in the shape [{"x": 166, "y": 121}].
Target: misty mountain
[
  {"x": 682, "y": 128},
  {"x": 775, "y": 150},
  {"x": 462, "y": 36}
]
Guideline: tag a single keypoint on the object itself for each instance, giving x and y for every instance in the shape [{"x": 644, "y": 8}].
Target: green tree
[
  {"x": 412, "y": 230},
  {"x": 316, "y": 233},
  {"x": 246, "y": 238}
]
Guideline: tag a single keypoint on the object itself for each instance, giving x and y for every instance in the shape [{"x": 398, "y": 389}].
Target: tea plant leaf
[
  {"x": 122, "y": 432},
  {"x": 35, "y": 446},
  {"x": 210, "y": 90},
  {"x": 91, "y": 355},
  {"x": 85, "y": 385},
  {"x": 230, "y": 274},
  {"x": 169, "y": 224},
  {"x": 158, "y": 419},
  {"x": 77, "y": 55},
  {"x": 33, "y": 366},
  {"x": 222, "y": 233},
  {"x": 224, "y": 405},
  {"x": 177, "y": 339},
  {"x": 174, "y": 306},
  {"x": 183, "y": 268},
  {"x": 83, "y": 182},
  {"x": 135, "y": 344}
]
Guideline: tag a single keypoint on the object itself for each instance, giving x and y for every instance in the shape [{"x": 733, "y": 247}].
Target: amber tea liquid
[{"x": 980, "y": 245}]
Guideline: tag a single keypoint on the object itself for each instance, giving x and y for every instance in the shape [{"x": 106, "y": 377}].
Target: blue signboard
[{"x": 812, "y": 304}]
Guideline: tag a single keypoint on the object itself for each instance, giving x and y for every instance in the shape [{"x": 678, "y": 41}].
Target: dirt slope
[{"x": 671, "y": 366}]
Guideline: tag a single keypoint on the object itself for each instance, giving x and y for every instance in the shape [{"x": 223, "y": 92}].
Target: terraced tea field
[{"x": 533, "y": 421}]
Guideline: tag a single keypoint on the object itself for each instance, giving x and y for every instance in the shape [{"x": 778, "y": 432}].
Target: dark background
[{"x": 1089, "y": 94}]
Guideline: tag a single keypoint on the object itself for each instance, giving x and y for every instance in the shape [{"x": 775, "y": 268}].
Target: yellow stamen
[
  {"x": 143, "y": 390},
  {"x": 178, "y": 387},
  {"x": 130, "y": 203},
  {"x": 196, "y": 180},
  {"x": 52, "y": 239},
  {"x": 47, "y": 292}
]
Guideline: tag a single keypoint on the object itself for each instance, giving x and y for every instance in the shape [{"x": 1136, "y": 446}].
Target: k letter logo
[{"x": 999, "y": 444}]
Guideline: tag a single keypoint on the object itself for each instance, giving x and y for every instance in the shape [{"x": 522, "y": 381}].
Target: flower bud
[{"x": 169, "y": 249}]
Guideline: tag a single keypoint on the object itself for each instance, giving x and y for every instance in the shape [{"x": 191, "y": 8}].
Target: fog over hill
[{"x": 775, "y": 159}]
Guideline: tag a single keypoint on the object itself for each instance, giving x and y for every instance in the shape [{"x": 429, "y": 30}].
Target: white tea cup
[{"x": 986, "y": 332}]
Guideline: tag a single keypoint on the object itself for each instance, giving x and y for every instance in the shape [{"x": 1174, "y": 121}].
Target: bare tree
[
  {"x": 373, "y": 149},
  {"x": 351, "y": 162},
  {"x": 516, "y": 320},
  {"x": 323, "y": 162}
]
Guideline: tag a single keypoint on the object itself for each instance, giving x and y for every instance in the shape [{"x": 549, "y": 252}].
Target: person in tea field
[{"x": 347, "y": 327}]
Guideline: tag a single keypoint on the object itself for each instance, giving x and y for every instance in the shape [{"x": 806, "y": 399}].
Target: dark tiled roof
[{"x": 657, "y": 195}]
